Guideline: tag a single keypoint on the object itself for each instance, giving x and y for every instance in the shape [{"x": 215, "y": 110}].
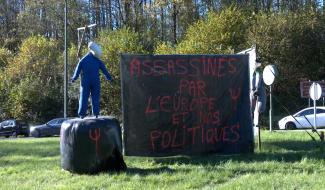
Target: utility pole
[{"x": 65, "y": 60}]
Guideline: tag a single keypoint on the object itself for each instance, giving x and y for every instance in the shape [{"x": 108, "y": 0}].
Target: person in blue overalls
[{"x": 89, "y": 67}]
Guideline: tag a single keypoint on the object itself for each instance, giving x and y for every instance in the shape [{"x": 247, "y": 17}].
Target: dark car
[
  {"x": 14, "y": 128},
  {"x": 50, "y": 128}
]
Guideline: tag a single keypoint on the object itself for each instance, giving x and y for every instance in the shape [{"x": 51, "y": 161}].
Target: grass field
[{"x": 288, "y": 160}]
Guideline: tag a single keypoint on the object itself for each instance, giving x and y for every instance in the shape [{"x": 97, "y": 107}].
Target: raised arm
[
  {"x": 76, "y": 72},
  {"x": 104, "y": 70}
]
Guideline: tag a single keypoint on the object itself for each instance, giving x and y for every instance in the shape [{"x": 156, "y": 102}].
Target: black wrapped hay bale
[{"x": 91, "y": 145}]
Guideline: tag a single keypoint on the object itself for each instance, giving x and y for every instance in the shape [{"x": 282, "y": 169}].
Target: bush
[
  {"x": 5, "y": 58},
  {"x": 220, "y": 33},
  {"x": 295, "y": 43},
  {"x": 33, "y": 81},
  {"x": 164, "y": 48}
]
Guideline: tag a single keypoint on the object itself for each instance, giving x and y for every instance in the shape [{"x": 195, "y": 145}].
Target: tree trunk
[
  {"x": 120, "y": 20},
  {"x": 97, "y": 13},
  {"x": 174, "y": 23},
  {"x": 102, "y": 14},
  {"x": 136, "y": 15},
  {"x": 269, "y": 5},
  {"x": 127, "y": 5},
  {"x": 162, "y": 22},
  {"x": 110, "y": 19},
  {"x": 256, "y": 6}
]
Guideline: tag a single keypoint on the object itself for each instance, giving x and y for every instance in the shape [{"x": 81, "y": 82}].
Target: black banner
[{"x": 186, "y": 104}]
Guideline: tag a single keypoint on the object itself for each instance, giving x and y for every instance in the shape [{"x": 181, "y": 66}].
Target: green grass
[{"x": 288, "y": 160}]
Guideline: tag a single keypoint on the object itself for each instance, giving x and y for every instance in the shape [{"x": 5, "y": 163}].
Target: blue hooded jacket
[{"x": 90, "y": 65}]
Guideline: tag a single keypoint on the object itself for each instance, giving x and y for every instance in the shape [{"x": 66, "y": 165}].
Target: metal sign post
[
  {"x": 315, "y": 93},
  {"x": 270, "y": 111},
  {"x": 269, "y": 74}
]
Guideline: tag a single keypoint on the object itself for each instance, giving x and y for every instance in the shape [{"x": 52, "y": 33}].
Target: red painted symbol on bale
[{"x": 95, "y": 137}]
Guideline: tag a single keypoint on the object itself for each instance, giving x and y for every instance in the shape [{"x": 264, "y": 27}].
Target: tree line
[
  {"x": 165, "y": 20},
  {"x": 290, "y": 34}
]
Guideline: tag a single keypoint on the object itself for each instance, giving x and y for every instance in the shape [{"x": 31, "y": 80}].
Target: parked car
[
  {"x": 14, "y": 127},
  {"x": 304, "y": 119},
  {"x": 50, "y": 128}
]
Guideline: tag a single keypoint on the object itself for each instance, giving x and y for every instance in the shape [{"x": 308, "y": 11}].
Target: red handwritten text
[{"x": 179, "y": 137}]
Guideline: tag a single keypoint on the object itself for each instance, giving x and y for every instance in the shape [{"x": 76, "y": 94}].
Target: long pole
[
  {"x": 270, "y": 111},
  {"x": 65, "y": 60},
  {"x": 315, "y": 94},
  {"x": 259, "y": 139},
  {"x": 323, "y": 96},
  {"x": 256, "y": 124}
]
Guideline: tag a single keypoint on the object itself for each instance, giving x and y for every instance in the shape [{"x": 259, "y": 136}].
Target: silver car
[
  {"x": 50, "y": 128},
  {"x": 304, "y": 119}
]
